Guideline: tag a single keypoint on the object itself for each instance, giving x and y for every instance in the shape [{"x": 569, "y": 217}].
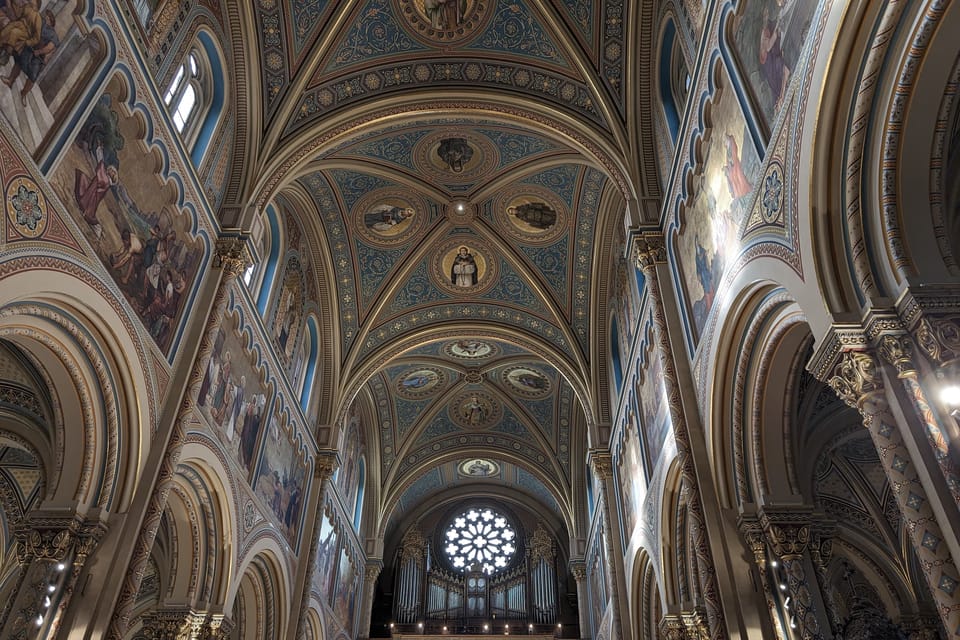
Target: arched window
[
  {"x": 361, "y": 485},
  {"x": 615, "y": 355},
  {"x": 261, "y": 283},
  {"x": 311, "y": 350},
  {"x": 195, "y": 96},
  {"x": 187, "y": 94}
]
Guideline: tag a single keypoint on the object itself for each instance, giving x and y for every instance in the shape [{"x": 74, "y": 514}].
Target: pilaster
[
  {"x": 602, "y": 464},
  {"x": 579, "y": 570}
]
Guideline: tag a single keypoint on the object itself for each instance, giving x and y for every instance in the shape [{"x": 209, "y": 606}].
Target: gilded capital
[
  {"x": 602, "y": 464},
  {"x": 854, "y": 377},
  {"x": 788, "y": 533},
  {"x": 650, "y": 251},
  {"x": 898, "y": 351},
  {"x": 327, "y": 463},
  {"x": 939, "y": 338},
  {"x": 231, "y": 255},
  {"x": 579, "y": 570}
]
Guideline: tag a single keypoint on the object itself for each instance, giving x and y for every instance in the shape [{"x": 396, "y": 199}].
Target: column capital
[
  {"x": 650, "y": 250},
  {"x": 231, "y": 254},
  {"x": 855, "y": 377},
  {"x": 601, "y": 462},
  {"x": 672, "y": 627},
  {"x": 177, "y": 623},
  {"x": 788, "y": 531},
  {"x": 939, "y": 338},
  {"x": 53, "y": 536},
  {"x": 579, "y": 570},
  {"x": 372, "y": 569},
  {"x": 328, "y": 461}
]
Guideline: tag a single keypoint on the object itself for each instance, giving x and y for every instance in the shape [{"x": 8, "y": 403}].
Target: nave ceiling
[{"x": 405, "y": 137}]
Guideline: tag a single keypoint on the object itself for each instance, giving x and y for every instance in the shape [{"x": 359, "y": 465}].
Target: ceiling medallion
[
  {"x": 460, "y": 212},
  {"x": 454, "y": 156},
  {"x": 470, "y": 349},
  {"x": 526, "y": 381},
  {"x": 530, "y": 214},
  {"x": 463, "y": 266},
  {"x": 444, "y": 21},
  {"x": 420, "y": 382},
  {"x": 388, "y": 216},
  {"x": 478, "y": 468},
  {"x": 475, "y": 410}
]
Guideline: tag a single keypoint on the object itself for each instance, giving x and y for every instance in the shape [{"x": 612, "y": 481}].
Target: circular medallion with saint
[
  {"x": 532, "y": 215},
  {"x": 454, "y": 156},
  {"x": 475, "y": 410},
  {"x": 444, "y": 21},
  {"x": 478, "y": 468},
  {"x": 464, "y": 267},
  {"x": 420, "y": 382},
  {"x": 527, "y": 381},
  {"x": 470, "y": 349},
  {"x": 386, "y": 217}
]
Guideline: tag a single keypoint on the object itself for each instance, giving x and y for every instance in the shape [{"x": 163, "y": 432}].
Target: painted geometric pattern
[
  {"x": 306, "y": 19},
  {"x": 580, "y": 13},
  {"x": 565, "y": 401},
  {"x": 464, "y": 312},
  {"x": 487, "y": 440},
  {"x": 421, "y": 488},
  {"x": 582, "y": 264},
  {"x": 375, "y": 34},
  {"x": 514, "y": 147},
  {"x": 441, "y": 425},
  {"x": 515, "y": 30},
  {"x": 539, "y": 84},
  {"x": 351, "y": 185},
  {"x": 511, "y": 424},
  {"x": 417, "y": 290},
  {"x": 551, "y": 262},
  {"x": 611, "y": 60},
  {"x": 510, "y": 286},
  {"x": 374, "y": 264},
  {"x": 408, "y": 412},
  {"x": 396, "y": 148},
  {"x": 318, "y": 187},
  {"x": 385, "y": 418},
  {"x": 532, "y": 484},
  {"x": 273, "y": 51},
  {"x": 561, "y": 180}
]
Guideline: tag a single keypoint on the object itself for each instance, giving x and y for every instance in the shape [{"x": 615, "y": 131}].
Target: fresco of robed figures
[
  {"x": 231, "y": 396},
  {"x": 281, "y": 478},
  {"x": 655, "y": 415},
  {"x": 109, "y": 184},
  {"x": 344, "y": 602},
  {"x": 326, "y": 556},
  {"x": 716, "y": 207},
  {"x": 630, "y": 473},
  {"x": 768, "y": 37},
  {"x": 45, "y": 60}
]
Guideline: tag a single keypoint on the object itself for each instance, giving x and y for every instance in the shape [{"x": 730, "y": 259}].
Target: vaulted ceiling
[{"x": 467, "y": 164}]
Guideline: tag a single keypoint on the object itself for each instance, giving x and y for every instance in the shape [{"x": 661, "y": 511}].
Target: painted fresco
[
  {"x": 109, "y": 184},
  {"x": 348, "y": 586},
  {"x": 326, "y": 555},
  {"x": 45, "y": 60},
  {"x": 232, "y": 397},
  {"x": 630, "y": 472},
  {"x": 288, "y": 321},
  {"x": 716, "y": 206},
  {"x": 654, "y": 412},
  {"x": 281, "y": 478},
  {"x": 598, "y": 581},
  {"x": 768, "y": 37}
]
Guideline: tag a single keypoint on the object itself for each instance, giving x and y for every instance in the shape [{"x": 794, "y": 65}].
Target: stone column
[
  {"x": 757, "y": 542},
  {"x": 327, "y": 463},
  {"x": 651, "y": 255},
  {"x": 230, "y": 260},
  {"x": 371, "y": 572},
  {"x": 821, "y": 550},
  {"x": 898, "y": 350},
  {"x": 855, "y": 376},
  {"x": 52, "y": 549},
  {"x": 788, "y": 533},
  {"x": 579, "y": 570},
  {"x": 184, "y": 624},
  {"x": 602, "y": 464}
]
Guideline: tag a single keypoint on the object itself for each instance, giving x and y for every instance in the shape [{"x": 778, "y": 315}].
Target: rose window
[{"x": 481, "y": 538}]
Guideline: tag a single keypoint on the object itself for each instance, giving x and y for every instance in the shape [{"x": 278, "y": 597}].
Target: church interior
[{"x": 598, "y": 320}]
